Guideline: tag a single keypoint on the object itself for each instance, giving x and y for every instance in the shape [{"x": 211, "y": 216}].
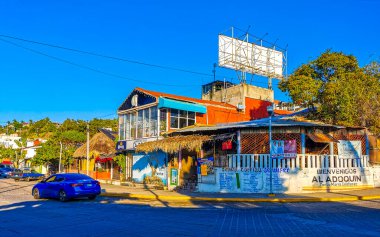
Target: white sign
[
  {"x": 349, "y": 149},
  {"x": 285, "y": 180},
  {"x": 131, "y": 144},
  {"x": 333, "y": 177},
  {"x": 248, "y": 57}
]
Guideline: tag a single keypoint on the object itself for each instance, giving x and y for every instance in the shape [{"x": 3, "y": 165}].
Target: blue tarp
[{"x": 175, "y": 104}]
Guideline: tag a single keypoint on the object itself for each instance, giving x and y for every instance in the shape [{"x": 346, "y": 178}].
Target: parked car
[
  {"x": 6, "y": 172},
  {"x": 5, "y": 166},
  {"x": 27, "y": 175},
  {"x": 67, "y": 186},
  {"x": 2, "y": 173}
]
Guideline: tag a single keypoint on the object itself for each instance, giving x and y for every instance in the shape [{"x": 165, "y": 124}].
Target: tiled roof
[{"x": 184, "y": 98}]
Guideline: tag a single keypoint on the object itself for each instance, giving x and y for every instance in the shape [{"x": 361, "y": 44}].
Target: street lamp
[{"x": 270, "y": 110}]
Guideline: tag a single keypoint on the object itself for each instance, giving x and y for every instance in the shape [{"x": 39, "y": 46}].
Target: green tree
[
  {"x": 47, "y": 153},
  {"x": 7, "y": 153},
  {"x": 343, "y": 92}
]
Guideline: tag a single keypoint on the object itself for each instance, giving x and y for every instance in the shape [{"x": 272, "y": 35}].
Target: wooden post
[{"x": 111, "y": 169}]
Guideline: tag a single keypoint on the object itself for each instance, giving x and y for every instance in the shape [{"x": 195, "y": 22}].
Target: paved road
[{"x": 20, "y": 215}]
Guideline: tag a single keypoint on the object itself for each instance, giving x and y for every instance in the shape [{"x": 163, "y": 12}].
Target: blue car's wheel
[
  {"x": 62, "y": 196},
  {"x": 36, "y": 193}
]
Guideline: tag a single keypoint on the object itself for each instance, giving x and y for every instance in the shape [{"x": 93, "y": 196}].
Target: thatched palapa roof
[
  {"x": 100, "y": 146},
  {"x": 174, "y": 144}
]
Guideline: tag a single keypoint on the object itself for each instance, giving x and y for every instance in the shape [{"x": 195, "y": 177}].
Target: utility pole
[
  {"x": 60, "y": 158},
  {"x": 88, "y": 148},
  {"x": 270, "y": 110}
]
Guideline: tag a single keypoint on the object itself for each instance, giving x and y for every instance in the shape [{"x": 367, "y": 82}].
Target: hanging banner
[
  {"x": 227, "y": 145},
  {"x": 205, "y": 166},
  {"x": 204, "y": 170},
  {"x": 284, "y": 148},
  {"x": 206, "y": 173}
]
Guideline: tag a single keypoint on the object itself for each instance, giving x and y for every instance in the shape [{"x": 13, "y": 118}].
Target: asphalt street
[{"x": 21, "y": 215}]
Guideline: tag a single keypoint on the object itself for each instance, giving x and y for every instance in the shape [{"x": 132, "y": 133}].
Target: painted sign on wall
[
  {"x": 290, "y": 180},
  {"x": 251, "y": 181},
  {"x": 338, "y": 177},
  {"x": 349, "y": 149},
  {"x": 152, "y": 164}
]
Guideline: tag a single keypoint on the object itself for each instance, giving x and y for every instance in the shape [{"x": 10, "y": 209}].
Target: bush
[{"x": 153, "y": 180}]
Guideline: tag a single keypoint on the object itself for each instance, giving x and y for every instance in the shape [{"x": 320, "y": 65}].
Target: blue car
[
  {"x": 6, "y": 172},
  {"x": 67, "y": 186},
  {"x": 27, "y": 175}
]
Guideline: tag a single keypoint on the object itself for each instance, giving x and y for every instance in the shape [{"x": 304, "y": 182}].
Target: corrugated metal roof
[
  {"x": 277, "y": 121},
  {"x": 321, "y": 138}
]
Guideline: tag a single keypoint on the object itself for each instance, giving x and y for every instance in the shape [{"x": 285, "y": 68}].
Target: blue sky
[{"x": 169, "y": 33}]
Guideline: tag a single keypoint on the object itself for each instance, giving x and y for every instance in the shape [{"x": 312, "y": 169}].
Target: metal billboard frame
[{"x": 244, "y": 54}]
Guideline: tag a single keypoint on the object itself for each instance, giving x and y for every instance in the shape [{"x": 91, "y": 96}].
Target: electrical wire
[
  {"x": 90, "y": 68},
  {"x": 108, "y": 57},
  {"x": 105, "y": 116},
  {"x": 115, "y": 58}
]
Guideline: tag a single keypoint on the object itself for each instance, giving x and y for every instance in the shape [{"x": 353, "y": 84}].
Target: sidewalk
[{"x": 137, "y": 193}]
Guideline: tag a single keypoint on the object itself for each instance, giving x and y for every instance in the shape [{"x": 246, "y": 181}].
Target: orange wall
[
  {"x": 220, "y": 115},
  {"x": 256, "y": 109}
]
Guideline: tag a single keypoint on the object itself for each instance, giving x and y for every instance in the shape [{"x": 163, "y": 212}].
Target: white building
[
  {"x": 31, "y": 150},
  {"x": 9, "y": 141}
]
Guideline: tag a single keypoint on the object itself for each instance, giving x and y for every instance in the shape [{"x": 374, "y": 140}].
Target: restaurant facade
[{"x": 148, "y": 116}]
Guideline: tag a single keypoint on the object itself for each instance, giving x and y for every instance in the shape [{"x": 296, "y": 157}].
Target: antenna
[{"x": 214, "y": 70}]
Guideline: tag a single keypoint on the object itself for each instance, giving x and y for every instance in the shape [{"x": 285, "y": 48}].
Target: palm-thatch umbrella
[{"x": 100, "y": 146}]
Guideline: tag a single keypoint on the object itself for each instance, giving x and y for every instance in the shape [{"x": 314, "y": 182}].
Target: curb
[{"x": 211, "y": 199}]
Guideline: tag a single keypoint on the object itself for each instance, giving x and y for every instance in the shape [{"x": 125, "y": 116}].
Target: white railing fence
[{"x": 301, "y": 161}]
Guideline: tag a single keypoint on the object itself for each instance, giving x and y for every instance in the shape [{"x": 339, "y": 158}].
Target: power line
[
  {"x": 108, "y": 57},
  {"x": 90, "y": 68},
  {"x": 111, "y": 57},
  {"x": 105, "y": 116}
]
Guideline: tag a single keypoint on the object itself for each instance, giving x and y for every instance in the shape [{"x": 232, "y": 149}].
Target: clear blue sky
[{"x": 181, "y": 34}]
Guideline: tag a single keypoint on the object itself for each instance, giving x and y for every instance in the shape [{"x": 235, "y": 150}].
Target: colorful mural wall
[{"x": 151, "y": 164}]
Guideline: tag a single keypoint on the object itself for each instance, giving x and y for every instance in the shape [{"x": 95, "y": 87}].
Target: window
[
  {"x": 163, "y": 120},
  {"x": 174, "y": 118},
  {"x": 153, "y": 122},
  {"x": 51, "y": 179},
  {"x": 181, "y": 118},
  {"x": 140, "y": 117},
  {"x": 190, "y": 118},
  {"x": 146, "y": 123},
  {"x": 121, "y": 127},
  {"x": 133, "y": 125},
  {"x": 127, "y": 126},
  {"x": 142, "y": 123}
]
